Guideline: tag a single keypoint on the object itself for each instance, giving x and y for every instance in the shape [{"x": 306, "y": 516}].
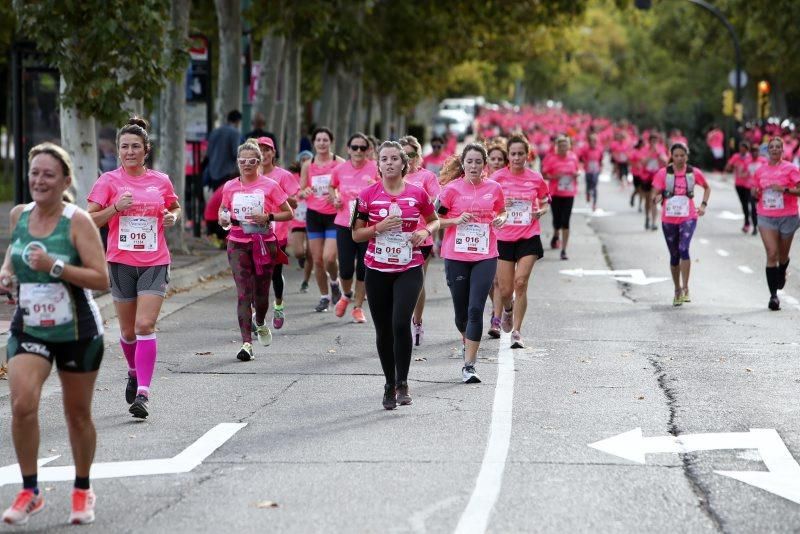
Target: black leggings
[
  {"x": 392, "y": 297},
  {"x": 277, "y": 278},
  {"x": 562, "y": 211},
  {"x": 470, "y": 283},
  {"x": 748, "y": 205},
  {"x": 351, "y": 255}
]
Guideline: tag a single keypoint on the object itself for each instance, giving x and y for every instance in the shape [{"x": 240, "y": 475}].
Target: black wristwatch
[
  {"x": 271, "y": 217},
  {"x": 704, "y": 203},
  {"x": 786, "y": 190}
]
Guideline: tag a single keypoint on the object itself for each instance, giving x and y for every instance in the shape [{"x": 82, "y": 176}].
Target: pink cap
[{"x": 266, "y": 141}]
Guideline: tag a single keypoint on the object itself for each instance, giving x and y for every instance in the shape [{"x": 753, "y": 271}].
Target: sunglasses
[
  {"x": 248, "y": 161},
  {"x": 356, "y": 148},
  {"x": 436, "y": 147}
]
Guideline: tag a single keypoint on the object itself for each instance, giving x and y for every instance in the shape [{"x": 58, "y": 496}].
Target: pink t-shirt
[
  {"x": 434, "y": 163},
  {"x": 136, "y": 235},
  {"x": 653, "y": 159},
  {"x": 591, "y": 158},
  {"x": 739, "y": 164},
  {"x": 391, "y": 252},
  {"x": 715, "y": 138},
  {"x": 753, "y": 166},
  {"x": 299, "y": 220},
  {"x": 620, "y": 151},
  {"x": 523, "y": 193},
  {"x": 349, "y": 182},
  {"x": 261, "y": 196},
  {"x": 680, "y": 208},
  {"x": 562, "y": 173},
  {"x": 290, "y": 186},
  {"x": 319, "y": 178},
  {"x": 776, "y": 203},
  {"x": 477, "y": 239},
  {"x": 426, "y": 180}
]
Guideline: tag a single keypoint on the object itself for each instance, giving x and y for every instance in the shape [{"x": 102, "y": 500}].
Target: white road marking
[
  {"x": 475, "y": 518},
  {"x": 745, "y": 269},
  {"x": 722, "y": 252},
  {"x": 628, "y": 276},
  {"x": 704, "y": 241}
]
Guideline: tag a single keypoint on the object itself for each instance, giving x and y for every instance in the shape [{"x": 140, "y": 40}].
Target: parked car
[{"x": 456, "y": 121}]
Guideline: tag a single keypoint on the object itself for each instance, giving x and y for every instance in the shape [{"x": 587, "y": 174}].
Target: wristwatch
[{"x": 57, "y": 269}]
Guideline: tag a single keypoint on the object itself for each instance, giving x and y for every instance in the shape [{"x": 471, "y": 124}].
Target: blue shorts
[{"x": 320, "y": 225}]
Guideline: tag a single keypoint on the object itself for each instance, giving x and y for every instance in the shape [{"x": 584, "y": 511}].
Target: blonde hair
[
  {"x": 250, "y": 144},
  {"x": 55, "y": 151}
]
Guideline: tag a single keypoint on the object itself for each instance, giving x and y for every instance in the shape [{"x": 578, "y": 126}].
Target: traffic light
[
  {"x": 727, "y": 102},
  {"x": 763, "y": 99}
]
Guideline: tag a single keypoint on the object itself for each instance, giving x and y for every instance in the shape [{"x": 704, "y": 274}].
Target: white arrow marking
[
  {"x": 730, "y": 216},
  {"x": 704, "y": 241},
  {"x": 185, "y": 461},
  {"x": 628, "y": 276},
  {"x": 722, "y": 252},
  {"x": 745, "y": 269},
  {"x": 599, "y": 212},
  {"x": 782, "y": 477}
]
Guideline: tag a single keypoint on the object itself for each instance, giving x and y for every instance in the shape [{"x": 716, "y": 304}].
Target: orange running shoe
[
  {"x": 341, "y": 306},
  {"x": 82, "y": 507},
  {"x": 25, "y": 505},
  {"x": 358, "y": 315}
]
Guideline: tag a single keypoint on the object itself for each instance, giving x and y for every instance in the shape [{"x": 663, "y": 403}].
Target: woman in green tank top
[{"x": 54, "y": 261}]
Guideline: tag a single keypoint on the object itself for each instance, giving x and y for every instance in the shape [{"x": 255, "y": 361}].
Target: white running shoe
[{"x": 82, "y": 507}]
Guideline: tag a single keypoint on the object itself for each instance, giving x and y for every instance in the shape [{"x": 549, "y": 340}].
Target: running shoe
[
  {"x": 304, "y": 286},
  {"x": 358, "y": 315},
  {"x": 82, "y": 507},
  {"x": 654, "y": 227},
  {"x": 685, "y": 297},
  {"x": 516, "y": 340},
  {"x": 677, "y": 300},
  {"x": 403, "y": 398},
  {"x": 647, "y": 224},
  {"x": 139, "y": 407},
  {"x": 564, "y": 255},
  {"x": 494, "y": 328},
  {"x": 469, "y": 375},
  {"x": 26, "y": 504},
  {"x": 633, "y": 197},
  {"x": 264, "y": 335},
  {"x": 419, "y": 333},
  {"x": 389, "y": 397},
  {"x": 746, "y": 229},
  {"x": 774, "y": 303},
  {"x": 555, "y": 242},
  {"x": 324, "y": 302},
  {"x": 755, "y": 230},
  {"x": 507, "y": 322},
  {"x": 336, "y": 293},
  {"x": 341, "y": 306},
  {"x": 246, "y": 352},
  {"x": 130, "y": 389},
  {"x": 278, "y": 317}
]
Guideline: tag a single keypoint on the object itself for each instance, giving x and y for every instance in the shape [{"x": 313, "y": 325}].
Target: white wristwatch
[{"x": 57, "y": 269}]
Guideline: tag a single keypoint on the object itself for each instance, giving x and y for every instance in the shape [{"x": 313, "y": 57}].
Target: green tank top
[{"x": 48, "y": 308}]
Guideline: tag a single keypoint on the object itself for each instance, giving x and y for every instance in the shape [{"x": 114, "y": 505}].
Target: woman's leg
[
  {"x": 26, "y": 375},
  {"x": 147, "y": 310},
  {"x": 241, "y": 262},
  {"x": 77, "y": 390},
  {"x": 522, "y": 274},
  {"x": 672, "y": 237},
  {"x": 316, "y": 246},
  {"x": 771, "y": 240},
  {"x": 406, "y": 291},
  {"x": 684, "y": 242},
  {"x": 480, "y": 283},
  {"x": 380, "y": 287},
  {"x": 744, "y": 198}
]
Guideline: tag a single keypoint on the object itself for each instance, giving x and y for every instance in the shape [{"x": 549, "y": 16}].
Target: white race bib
[
  {"x": 772, "y": 200},
  {"x": 320, "y": 184},
  {"x": 245, "y": 205},
  {"x": 565, "y": 183},
  {"x": 677, "y": 206},
  {"x": 593, "y": 167},
  {"x": 45, "y": 304},
  {"x": 393, "y": 248},
  {"x": 652, "y": 165},
  {"x": 752, "y": 168},
  {"x": 300, "y": 211},
  {"x": 139, "y": 234},
  {"x": 519, "y": 212},
  {"x": 472, "y": 238}
]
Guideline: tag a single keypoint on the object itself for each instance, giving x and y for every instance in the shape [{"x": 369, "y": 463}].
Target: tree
[{"x": 229, "y": 73}]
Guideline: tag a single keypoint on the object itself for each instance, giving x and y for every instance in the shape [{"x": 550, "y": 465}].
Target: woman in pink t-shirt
[
  {"x": 315, "y": 181},
  {"x": 435, "y": 160},
  {"x": 472, "y": 208},
  {"x": 591, "y": 157},
  {"x": 519, "y": 244},
  {"x": 426, "y": 180},
  {"x": 673, "y": 184},
  {"x": 739, "y": 164},
  {"x": 136, "y": 203},
  {"x": 250, "y": 206},
  {"x": 387, "y": 216},
  {"x": 653, "y": 158},
  {"x": 776, "y": 187},
  {"x": 497, "y": 159},
  {"x": 561, "y": 170},
  {"x": 297, "y": 226}
]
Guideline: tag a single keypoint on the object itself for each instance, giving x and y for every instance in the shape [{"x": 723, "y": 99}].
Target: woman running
[
  {"x": 518, "y": 242},
  {"x": 387, "y": 215},
  {"x": 561, "y": 170},
  {"x": 348, "y": 180},
  {"x": 498, "y": 159},
  {"x": 250, "y": 204},
  {"x": 136, "y": 203},
  {"x": 591, "y": 158},
  {"x": 756, "y": 161},
  {"x": 739, "y": 165},
  {"x": 297, "y": 225},
  {"x": 776, "y": 187},
  {"x": 427, "y": 181},
  {"x": 653, "y": 158},
  {"x": 471, "y": 208},
  {"x": 55, "y": 259},
  {"x": 674, "y": 185},
  {"x": 315, "y": 181}
]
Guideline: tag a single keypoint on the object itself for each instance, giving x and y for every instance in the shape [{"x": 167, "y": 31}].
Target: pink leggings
[{"x": 252, "y": 289}]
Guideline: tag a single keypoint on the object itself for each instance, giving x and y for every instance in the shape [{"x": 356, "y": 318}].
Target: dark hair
[
  {"x": 235, "y": 116},
  {"x": 374, "y": 141},
  {"x": 395, "y": 145},
  {"x": 676, "y": 146},
  {"x": 744, "y": 144},
  {"x": 437, "y": 138},
  {"x": 319, "y": 130},
  {"x": 136, "y": 126},
  {"x": 358, "y": 135},
  {"x": 454, "y": 166},
  {"x": 498, "y": 145},
  {"x": 518, "y": 139}
]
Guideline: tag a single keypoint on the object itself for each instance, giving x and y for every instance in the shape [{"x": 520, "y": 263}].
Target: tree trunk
[
  {"x": 345, "y": 93},
  {"x": 358, "y": 121},
  {"x": 293, "y": 106},
  {"x": 272, "y": 51},
  {"x": 401, "y": 126},
  {"x": 229, "y": 73},
  {"x": 372, "y": 116},
  {"x": 172, "y": 154},
  {"x": 327, "y": 110},
  {"x": 79, "y": 139},
  {"x": 387, "y": 116},
  {"x": 279, "y": 106}
]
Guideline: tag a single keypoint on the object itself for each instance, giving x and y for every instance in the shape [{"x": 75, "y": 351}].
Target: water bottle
[
  {"x": 394, "y": 210},
  {"x": 225, "y": 219}
]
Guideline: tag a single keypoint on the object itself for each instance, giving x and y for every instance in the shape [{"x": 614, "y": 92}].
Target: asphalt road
[{"x": 512, "y": 454}]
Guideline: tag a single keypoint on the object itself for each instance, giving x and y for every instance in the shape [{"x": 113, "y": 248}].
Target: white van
[{"x": 467, "y": 104}]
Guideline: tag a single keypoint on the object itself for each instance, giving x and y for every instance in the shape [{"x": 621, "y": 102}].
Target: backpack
[{"x": 669, "y": 189}]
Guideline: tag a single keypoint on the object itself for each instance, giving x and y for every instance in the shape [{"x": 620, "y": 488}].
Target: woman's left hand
[
  {"x": 419, "y": 237},
  {"x": 499, "y": 221},
  {"x": 259, "y": 218},
  {"x": 701, "y": 210},
  {"x": 170, "y": 218}
]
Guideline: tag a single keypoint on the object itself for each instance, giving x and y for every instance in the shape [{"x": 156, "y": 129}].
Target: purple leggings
[
  {"x": 251, "y": 288},
  {"x": 679, "y": 237}
]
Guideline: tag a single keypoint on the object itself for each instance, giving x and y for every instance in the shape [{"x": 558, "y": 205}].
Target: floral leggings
[
  {"x": 679, "y": 237},
  {"x": 252, "y": 289}
]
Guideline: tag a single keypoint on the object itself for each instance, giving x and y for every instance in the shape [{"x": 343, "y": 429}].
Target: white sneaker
[
  {"x": 469, "y": 375},
  {"x": 82, "y": 507},
  {"x": 245, "y": 354},
  {"x": 263, "y": 332}
]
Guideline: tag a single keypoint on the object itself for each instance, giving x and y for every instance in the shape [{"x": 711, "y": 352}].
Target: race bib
[
  {"x": 593, "y": 167},
  {"x": 752, "y": 168},
  {"x": 519, "y": 212},
  {"x": 393, "y": 248},
  {"x": 565, "y": 183},
  {"x": 652, "y": 165},
  {"x": 677, "y": 207},
  {"x": 472, "y": 238},
  {"x": 245, "y": 205},
  {"x": 320, "y": 184},
  {"x": 45, "y": 305},
  {"x": 772, "y": 200},
  {"x": 139, "y": 234},
  {"x": 300, "y": 211}
]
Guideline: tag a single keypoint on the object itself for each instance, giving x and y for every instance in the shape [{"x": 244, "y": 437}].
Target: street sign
[
  {"x": 191, "y": 457},
  {"x": 782, "y": 477},
  {"x": 742, "y": 78},
  {"x": 628, "y": 276}
]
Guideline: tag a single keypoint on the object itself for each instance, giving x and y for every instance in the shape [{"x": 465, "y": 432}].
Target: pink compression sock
[
  {"x": 129, "y": 350},
  {"x": 146, "y": 349}
]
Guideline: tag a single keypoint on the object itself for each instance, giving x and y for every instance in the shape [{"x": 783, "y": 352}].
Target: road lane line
[
  {"x": 704, "y": 241},
  {"x": 745, "y": 269},
  {"x": 475, "y": 518},
  {"x": 722, "y": 252}
]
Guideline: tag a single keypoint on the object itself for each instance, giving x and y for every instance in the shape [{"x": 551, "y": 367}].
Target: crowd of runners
[{"x": 365, "y": 227}]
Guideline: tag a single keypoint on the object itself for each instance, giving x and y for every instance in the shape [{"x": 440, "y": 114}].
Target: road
[{"x": 512, "y": 454}]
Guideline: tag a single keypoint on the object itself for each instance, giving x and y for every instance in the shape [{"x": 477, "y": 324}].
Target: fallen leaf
[
  {"x": 203, "y": 353},
  {"x": 420, "y": 359},
  {"x": 722, "y": 359},
  {"x": 586, "y": 360},
  {"x": 574, "y": 391},
  {"x": 48, "y": 488},
  {"x": 3, "y": 372},
  {"x": 748, "y": 369},
  {"x": 331, "y": 351},
  {"x": 640, "y": 397},
  {"x": 266, "y": 504},
  {"x": 53, "y": 450}
]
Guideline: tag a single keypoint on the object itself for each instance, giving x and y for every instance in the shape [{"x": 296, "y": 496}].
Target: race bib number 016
[
  {"x": 300, "y": 211},
  {"x": 519, "y": 212},
  {"x": 139, "y": 234},
  {"x": 773, "y": 200},
  {"x": 677, "y": 207},
  {"x": 320, "y": 184},
  {"x": 45, "y": 304},
  {"x": 565, "y": 183},
  {"x": 393, "y": 248},
  {"x": 472, "y": 238}
]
